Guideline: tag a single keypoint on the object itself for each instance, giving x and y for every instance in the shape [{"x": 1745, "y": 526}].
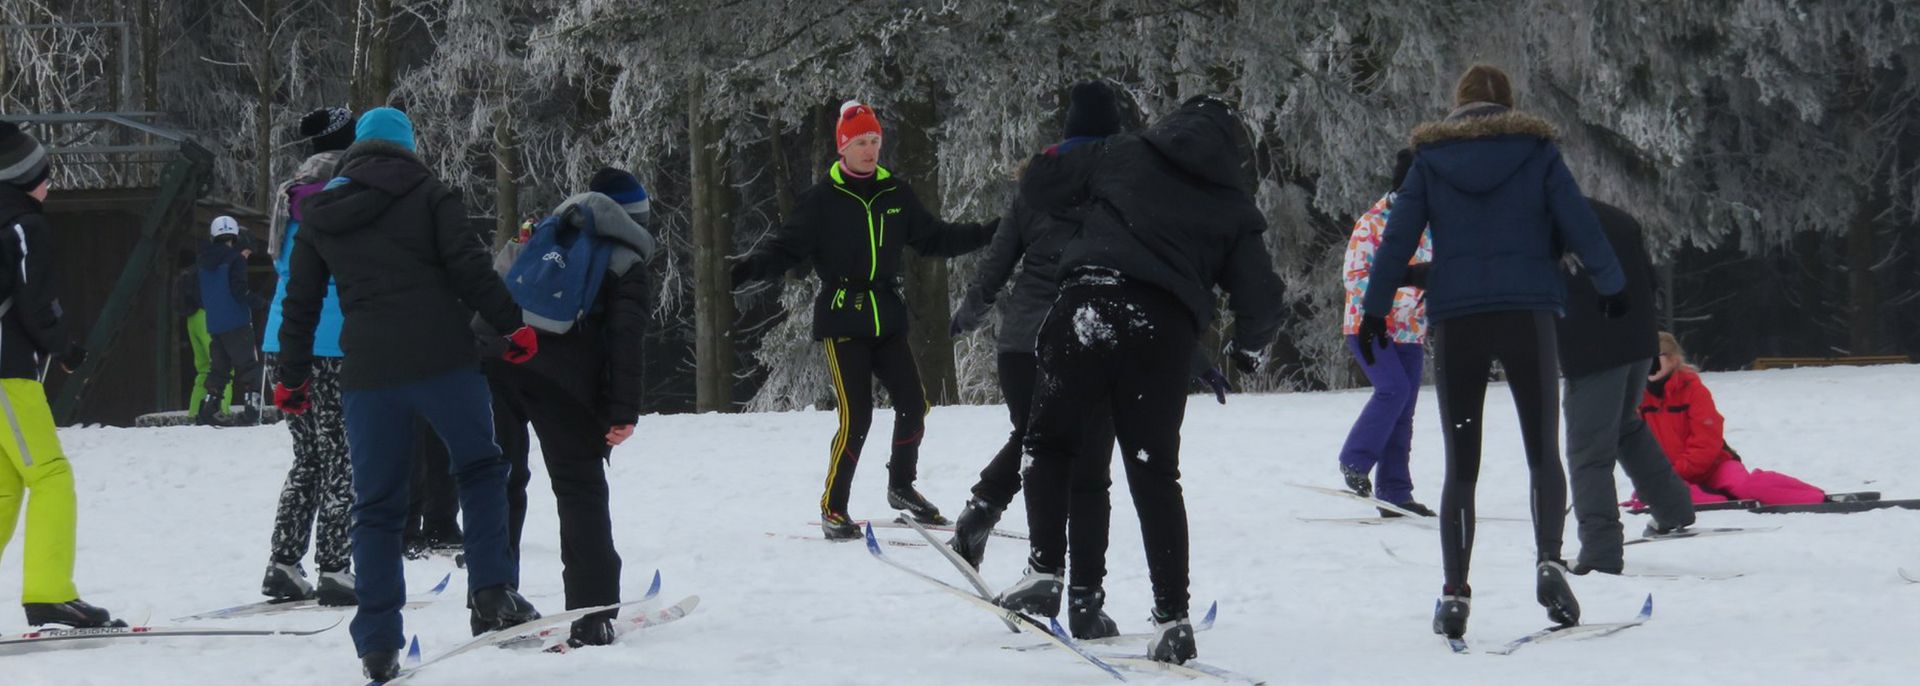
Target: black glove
[
  {"x": 742, "y": 271},
  {"x": 1416, "y": 275},
  {"x": 1617, "y": 305},
  {"x": 1247, "y": 361},
  {"x": 1373, "y": 334},
  {"x": 73, "y": 358},
  {"x": 1218, "y": 382},
  {"x": 971, "y": 314}
]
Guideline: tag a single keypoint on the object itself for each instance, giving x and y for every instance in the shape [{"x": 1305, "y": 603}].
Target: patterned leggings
[{"x": 321, "y": 478}]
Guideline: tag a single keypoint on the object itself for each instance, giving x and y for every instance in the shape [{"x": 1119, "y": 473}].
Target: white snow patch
[{"x": 1090, "y": 328}]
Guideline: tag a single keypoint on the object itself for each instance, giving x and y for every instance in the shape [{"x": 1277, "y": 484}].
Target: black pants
[
  {"x": 1464, "y": 350},
  {"x": 1115, "y": 352},
  {"x": 233, "y": 359},
  {"x": 433, "y": 503},
  {"x": 574, "y": 446},
  {"x": 853, "y": 364},
  {"x": 1090, "y": 503}
]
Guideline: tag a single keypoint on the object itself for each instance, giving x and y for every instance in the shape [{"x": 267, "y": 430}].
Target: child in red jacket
[{"x": 1679, "y": 410}]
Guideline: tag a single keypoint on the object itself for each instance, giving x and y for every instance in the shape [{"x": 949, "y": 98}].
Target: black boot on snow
[
  {"x": 1413, "y": 506},
  {"x": 1357, "y": 482},
  {"x": 1172, "y": 639},
  {"x": 250, "y": 410},
  {"x": 1086, "y": 618},
  {"x": 286, "y": 582},
  {"x": 1037, "y": 594},
  {"x": 381, "y": 665},
  {"x": 1450, "y": 611},
  {"x": 915, "y": 505},
  {"x": 591, "y": 631},
  {"x": 837, "y": 526},
  {"x": 75, "y": 613},
  {"x": 336, "y": 589},
  {"x": 499, "y": 607},
  {"x": 1657, "y": 530},
  {"x": 971, "y": 531},
  {"x": 1551, "y": 589},
  {"x": 209, "y": 405}
]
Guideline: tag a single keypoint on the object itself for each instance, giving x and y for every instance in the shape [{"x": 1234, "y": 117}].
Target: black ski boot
[
  {"x": 975, "y": 526},
  {"x": 1551, "y": 589},
  {"x": 1172, "y": 639},
  {"x": 591, "y": 631},
  {"x": 209, "y": 406},
  {"x": 499, "y": 607},
  {"x": 249, "y": 411},
  {"x": 839, "y": 527},
  {"x": 1086, "y": 618},
  {"x": 1037, "y": 594},
  {"x": 1657, "y": 530},
  {"x": 1413, "y": 506},
  {"x": 286, "y": 582},
  {"x": 1357, "y": 482},
  {"x": 336, "y": 589},
  {"x": 1450, "y": 611},
  {"x": 381, "y": 666},
  {"x": 916, "y": 505},
  {"x": 75, "y": 613}
]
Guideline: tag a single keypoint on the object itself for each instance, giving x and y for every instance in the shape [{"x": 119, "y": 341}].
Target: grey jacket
[{"x": 1033, "y": 240}]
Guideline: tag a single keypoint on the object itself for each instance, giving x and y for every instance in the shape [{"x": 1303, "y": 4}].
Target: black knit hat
[
  {"x": 1402, "y": 163},
  {"x": 23, "y": 163},
  {"x": 620, "y": 185},
  {"x": 1092, "y": 110},
  {"x": 328, "y": 128}
]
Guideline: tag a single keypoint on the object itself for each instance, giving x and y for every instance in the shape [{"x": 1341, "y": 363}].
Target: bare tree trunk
[
  {"x": 713, "y": 309},
  {"x": 926, "y": 290},
  {"x": 1863, "y": 294},
  {"x": 264, "y": 78},
  {"x": 150, "y": 54},
  {"x": 506, "y": 177},
  {"x": 372, "y": 54},
  {"x": 782, "y": 169}
]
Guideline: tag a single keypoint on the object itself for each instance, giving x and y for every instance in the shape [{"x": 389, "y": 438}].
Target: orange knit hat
[{"x": 856, "y": 119}]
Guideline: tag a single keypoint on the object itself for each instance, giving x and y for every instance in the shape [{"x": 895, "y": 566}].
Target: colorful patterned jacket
[{"x": 1409, "y": 321}]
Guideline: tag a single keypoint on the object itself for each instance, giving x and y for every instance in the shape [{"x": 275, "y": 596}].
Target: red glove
[
  {"x": 522, "y": 344},
  {"x": 293, "y": 400}
]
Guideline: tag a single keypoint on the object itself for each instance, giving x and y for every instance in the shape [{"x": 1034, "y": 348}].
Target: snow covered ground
[{"x": 176, "y": 520}]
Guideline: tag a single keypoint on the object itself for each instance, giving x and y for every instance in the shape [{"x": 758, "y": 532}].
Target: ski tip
[
  {"x": 1213, "y": 612},
  {"x": 1646, "y": 609},
  {"x": 442, "y": 586},
  {"x": 654, "y": 588},
  {"x": 413, "y": 651},
  {"x": 873, "y": 544}
]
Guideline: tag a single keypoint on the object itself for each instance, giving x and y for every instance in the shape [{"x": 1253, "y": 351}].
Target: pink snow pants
[{"x": 1770, "y": 488}]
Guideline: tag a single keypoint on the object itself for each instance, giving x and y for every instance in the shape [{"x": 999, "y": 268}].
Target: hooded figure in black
[{"x": 1168, "y": 217}]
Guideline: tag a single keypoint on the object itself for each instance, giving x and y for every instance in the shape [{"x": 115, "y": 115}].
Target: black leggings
[{"x": 1464, "y": 350}]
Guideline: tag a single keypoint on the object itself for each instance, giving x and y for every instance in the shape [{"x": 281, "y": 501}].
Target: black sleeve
[
  {"x": 237, "y": 276},
  {"x": 935, "y": 237},
  {"x": 1003, "y": 254},
  {"x": 35, "y": 304},
  {"x": 1253, "y": 291},
  {"x": 1053, "y": 183},
  {"x": 470, "y": 265},
  {"x": 307, "y": 280},
  {"x": 626, "y": 325},
  {"x": 791, "y": 243}
]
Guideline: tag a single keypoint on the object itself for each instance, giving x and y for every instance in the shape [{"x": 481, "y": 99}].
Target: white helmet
[{"x": 225, "y": 226}]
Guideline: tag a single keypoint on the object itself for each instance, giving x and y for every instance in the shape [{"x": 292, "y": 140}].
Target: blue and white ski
[
  {"x": 51, "y": 639},
  {"x": 1578, "y": 630},
  {"x": 274, "y": 607},
  {"x": 1205, "y": 623}
]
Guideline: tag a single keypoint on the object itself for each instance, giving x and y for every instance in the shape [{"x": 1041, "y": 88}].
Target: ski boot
[
  {"x": 915, "y": 505},
  {"x": 1085, "y": 617},
  {"x": 1413, "y": 506},
  {"x": 1172, "y": 639},
  {"x": 76, "y": 613},
  {"x": 1357, "y": 482},
  {"x": 336, "y": 589},
  {"x": 1657, "y": 530},
  {"x": 209, "y": 405},
  {"x": 837, "y": 526},
  {"x": 1037, "y": 594},
  {"x": 971, "y": 531},
  {"x": 286, "y": 582},
  {"x": 1552, "y": 591},
  {"x": 1450, "y": 611},
  {"x": 499, "y": 607},
  {"x": 381, "y": 666},
  {"x": 591, "y": 631},
  {"x": 249, "y": 411}
]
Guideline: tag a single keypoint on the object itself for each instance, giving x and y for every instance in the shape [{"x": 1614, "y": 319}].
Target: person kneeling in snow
[{"x": 1679, "y": 409}]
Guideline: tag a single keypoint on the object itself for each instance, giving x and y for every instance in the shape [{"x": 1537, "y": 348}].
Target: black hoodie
[
  {"x": 1169, "y": 206},
  {"x": 411, "y": 272},
  {"x": 31, "y": 329}
]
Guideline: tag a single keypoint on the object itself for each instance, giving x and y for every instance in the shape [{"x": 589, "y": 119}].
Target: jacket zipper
[{"x": 873, "y": 250}]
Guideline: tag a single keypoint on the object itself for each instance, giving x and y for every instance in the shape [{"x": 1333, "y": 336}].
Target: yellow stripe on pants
[
  {"x": 839, "y": 439},
  {"x": 35, "y": 464}
]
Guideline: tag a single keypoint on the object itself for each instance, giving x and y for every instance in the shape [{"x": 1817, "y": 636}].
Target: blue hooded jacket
[
  {"x": 1502, "y": 206},
  {"x": 312, "y": 177}
]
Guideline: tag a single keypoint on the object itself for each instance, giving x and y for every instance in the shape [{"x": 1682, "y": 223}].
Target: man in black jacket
[
  {"x": 853, "y": 226},
  {"x": 1606, "y": 363},
  {"x": 411, "y": 272},
  {"x": 1170, "y": 218},
  {"x": 582, "y": 396}
]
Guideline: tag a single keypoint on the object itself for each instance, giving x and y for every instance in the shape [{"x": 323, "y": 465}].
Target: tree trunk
[
  {"x": 782, "y": 169},
  {"x": 713, "y": 309},
  {"x": 264, "y": 77},
  {"x": 1863, "y": 293},
  {"x": 506, "y": 177},
  {"x": 372, "y": 55},
  {"x": 150, "y": 55},
  {"x": 926, "y": 278}
]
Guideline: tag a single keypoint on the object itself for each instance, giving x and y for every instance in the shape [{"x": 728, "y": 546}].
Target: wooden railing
[{"x": 1850, "y": 361}]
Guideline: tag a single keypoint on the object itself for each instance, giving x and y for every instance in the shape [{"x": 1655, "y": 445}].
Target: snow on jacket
[
  {"x": 32, "y": 327},
  {"x": 311, "y": 179},
  {"x": 1681, "y": 414},
  {"x": 1490, "y": 185},
  {"x": 223, "y": 287},
  {"x": 1408, "y": 323}
]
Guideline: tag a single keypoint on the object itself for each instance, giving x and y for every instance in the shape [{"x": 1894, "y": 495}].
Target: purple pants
[{"x": 1383, "y": 435}]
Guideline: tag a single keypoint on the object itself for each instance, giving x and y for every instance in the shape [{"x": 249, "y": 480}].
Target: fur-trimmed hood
[{"x": 1478, "y": 152}]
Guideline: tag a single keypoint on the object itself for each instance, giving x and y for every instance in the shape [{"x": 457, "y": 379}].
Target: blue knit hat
[
  {"x": 387, "y": 124},
  {"x": 620, "y": 185}
]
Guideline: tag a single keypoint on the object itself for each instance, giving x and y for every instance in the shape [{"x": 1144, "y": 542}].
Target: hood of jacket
[
  {"x": 634, "y": 244},
  {"x": 15, "y": 202},
  {"x": 216, "y": 254},
  {"x": 1478, "y": 148},
  {"x": 1203, "y": 139},
  {"x": 380, "y": 173}
]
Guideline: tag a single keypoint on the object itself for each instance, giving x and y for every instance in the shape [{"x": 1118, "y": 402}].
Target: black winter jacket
[
  {"x": 1034, "y": 241},
  {"x": 853, "y": 231},
  {"x": 32, "y": 329},
  {"x": 1168, "y": 207},
  {"x": 410, "y": 270},
  {"x": 1589, "y": 341}
]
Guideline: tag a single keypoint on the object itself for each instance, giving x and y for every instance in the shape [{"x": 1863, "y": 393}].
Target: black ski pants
[
  {"x": 853, "y": 364},
  {"x": 1091, "y": 505},
  {"x": 1112, "y": 351},
  {"x": 1464, "y": 350},
  {"x": 234, "y": 359},
  {"x": 574, "y": 447}
]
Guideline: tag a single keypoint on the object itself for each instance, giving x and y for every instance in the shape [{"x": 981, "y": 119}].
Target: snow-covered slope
[{"x": 176, "y": 520}]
